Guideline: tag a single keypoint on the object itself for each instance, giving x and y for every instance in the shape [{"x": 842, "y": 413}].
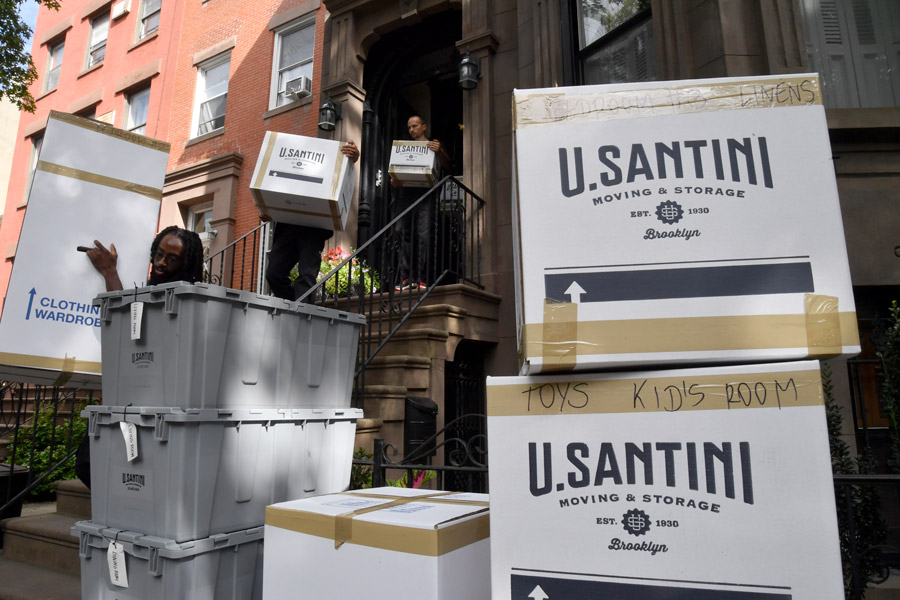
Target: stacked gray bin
[{"x": 216, "y": 403}]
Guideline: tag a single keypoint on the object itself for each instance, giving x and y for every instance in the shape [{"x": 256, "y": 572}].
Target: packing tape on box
[
  {"x": 554, "y": 108},
  {"x": 69, "y": 364},
  {"x": 425, "y": 542},
  {"x": 119, "y": 184},
  {"x": 66, "y": 371},
  {"x": 822, "y": 329},
  {"x": 621, "y": 394},
  {"x": 107, "y": 129}
]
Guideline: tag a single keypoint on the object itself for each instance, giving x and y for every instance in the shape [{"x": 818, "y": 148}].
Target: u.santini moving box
[
  {"x": 678, "y": 222},
  {"x": 384, "y": 543},
  {"x": 705, "y": 483},
  {"x": 303, "y": 181},
  {"x": 91, "y": 182},
  {"x": 413, "y": 163}
]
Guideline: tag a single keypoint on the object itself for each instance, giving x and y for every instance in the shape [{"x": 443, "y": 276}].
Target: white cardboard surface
[
  {"x": 295, "y": 559},
  {"x": 303, "y": 180},
  {"x": 574, "y": 514},
  {"x": 47, "y": 316},
  {"x": 639, "y": 202}
]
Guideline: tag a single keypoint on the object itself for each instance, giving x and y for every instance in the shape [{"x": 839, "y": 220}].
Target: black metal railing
[
  {"x": 464, "y": 461},
  {"x": 240, "y": 264},
  {"x": 40, "y": 430},
  {"x": 434, "y": 241},
  {"x": 866, "y": 560}
]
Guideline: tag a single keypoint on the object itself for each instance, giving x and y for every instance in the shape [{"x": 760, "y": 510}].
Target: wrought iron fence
[
  {"x": 432, "y": 241},
  {"x": 40, "y": 430},
  {"x": 241, "y": 264},
  {"x": 465, "y": 461}
]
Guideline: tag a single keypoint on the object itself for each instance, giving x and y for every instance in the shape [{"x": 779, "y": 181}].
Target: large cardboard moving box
[
  {"x": 683, "y": 484},
  {"x": 413, "y": 163},
  {"x": 385, "y": 543},
  {"x": 678, "y": 222},
  {"x": 303, "y": 181},
  {"x": 91, "y": 182}
]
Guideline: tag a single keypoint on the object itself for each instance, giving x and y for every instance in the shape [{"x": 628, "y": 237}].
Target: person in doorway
[
  {"x": 414, "y": 231},
  {"x": 175, "y": 255},
  {"x": 298, "y": 245}
]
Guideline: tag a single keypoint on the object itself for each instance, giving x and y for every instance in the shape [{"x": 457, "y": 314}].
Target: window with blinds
[
  {"x": 854, "y": 45},
  {"x": 615, "y": 41}
]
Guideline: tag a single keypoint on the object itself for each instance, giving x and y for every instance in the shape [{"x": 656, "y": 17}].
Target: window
[
  {"x": 36, "y": 142},
  {"x": 149, "y": 17},
  {"x": 97, "y": 46},
  {"x": 854, "y": 45},
  {"x": 211, "y": 95},
  {"x": 293, "y": 57},
  {"x": 136, "y": 111},
  {"x": 615, "y": 41},
  {"x": 53, "y": 66}
]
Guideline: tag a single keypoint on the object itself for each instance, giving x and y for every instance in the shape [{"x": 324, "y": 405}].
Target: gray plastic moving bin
[
  {"x": 206, "y": 346},
  {"x": 221, "y": 567},
  {"x": 204, "y": 471}
]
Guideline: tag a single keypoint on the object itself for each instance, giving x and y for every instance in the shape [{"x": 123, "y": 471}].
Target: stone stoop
[
  {"x": 40, "y": 555},
  {"x": 412, "y": 362}
]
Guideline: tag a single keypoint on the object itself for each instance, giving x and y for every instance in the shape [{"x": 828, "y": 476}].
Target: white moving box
[
  {"x": 304, "y": 181},
  {"x": 678, "y": 222},
  {"x": 386, "y": 543},
  {"x": 413, "y": 163},
  {"x": 91, "y": 182},
  {"x": 706, "y": 483}
]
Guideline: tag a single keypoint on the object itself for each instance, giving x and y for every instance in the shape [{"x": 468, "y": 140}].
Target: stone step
[
  {"x": 23, "y": 581},
  {"x": 73, "y": 498},
  {"x": 42, "y": 540}
]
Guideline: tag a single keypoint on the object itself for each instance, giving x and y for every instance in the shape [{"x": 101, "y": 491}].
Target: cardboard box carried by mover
[
  {"x": 681, "y": 484},
  {"x": 91, "y": 182},
  {"x": 303, "y": 181},
  {"x": 413, "y": 163},
  {"x": 390, "y": 543},
  {"x": 678, "y": 222}
]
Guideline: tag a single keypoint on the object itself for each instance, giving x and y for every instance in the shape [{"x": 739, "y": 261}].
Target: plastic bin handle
[{"x": 171, "y": 302}]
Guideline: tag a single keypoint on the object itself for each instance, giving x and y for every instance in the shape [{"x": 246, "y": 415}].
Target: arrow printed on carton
[
  {"x": 538, "y": 593},
  {"x": 574, "y": 292},
  {"x": 30, "y": 302}
]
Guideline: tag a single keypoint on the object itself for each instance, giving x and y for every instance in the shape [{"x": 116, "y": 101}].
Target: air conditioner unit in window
[
  {"x": 121, "y": 9},
  {"x": 298, "y": 88}
]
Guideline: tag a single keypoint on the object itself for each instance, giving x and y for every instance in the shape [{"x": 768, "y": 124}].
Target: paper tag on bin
[
  {"x": 137, "y": 315},
  {"x": 129, "y": 432},
  {"x": 115, "y": 557}
]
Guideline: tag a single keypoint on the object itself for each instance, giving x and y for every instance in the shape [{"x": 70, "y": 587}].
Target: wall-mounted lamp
[
  {"x": 469, "y": 70},
  {"x": 329, "y": 114}
]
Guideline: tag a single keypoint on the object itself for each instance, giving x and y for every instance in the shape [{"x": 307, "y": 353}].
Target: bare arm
[
  {"x": 105, "y": 262},
  {"x": 435, "y": 145}
]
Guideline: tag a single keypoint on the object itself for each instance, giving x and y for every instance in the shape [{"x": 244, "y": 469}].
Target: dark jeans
[
  {"x": 295, "y": 244},
  {"x": 414, "y": 232}
]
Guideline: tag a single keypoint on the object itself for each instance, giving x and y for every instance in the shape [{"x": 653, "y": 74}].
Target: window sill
[
  {"x": 144, "y": 40},
  {"x": 45, "y": 94},
  {"x": 90, "y": 69},
  {"x": 288, "y": 107},
  {"x": 204, "y": 137}
]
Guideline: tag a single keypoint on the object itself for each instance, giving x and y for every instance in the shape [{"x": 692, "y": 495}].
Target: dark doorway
[{"x": 413, "y": 70}]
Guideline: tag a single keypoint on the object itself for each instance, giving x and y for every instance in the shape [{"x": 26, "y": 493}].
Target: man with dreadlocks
[{"x": 175, "y": 255}]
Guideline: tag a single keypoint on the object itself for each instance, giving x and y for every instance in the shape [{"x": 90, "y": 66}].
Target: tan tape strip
[
  {"x": 343, "y": 524},
  {"x": 119, "y": 184},
  {"x": 429, "y": 497},
  {"x": 823, "y": 325},
  {"x": 68, "y": 368},
  {"x": 774, "y": 390},
  {"x": 267, "y": 154},
  {"x": 552, "y": 108},
  {"x": 691, "y": 334},
  {"x": 44, "y": 362},
  {"x": 560, "y": 336},
  {"x": 107, "y": 129},
  {"x": 336, "y": 176}
]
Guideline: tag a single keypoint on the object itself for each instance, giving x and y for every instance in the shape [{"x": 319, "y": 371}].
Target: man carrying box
[
  {"x": 300, "y": 245},
  {"x": 419, "y": 227}
]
